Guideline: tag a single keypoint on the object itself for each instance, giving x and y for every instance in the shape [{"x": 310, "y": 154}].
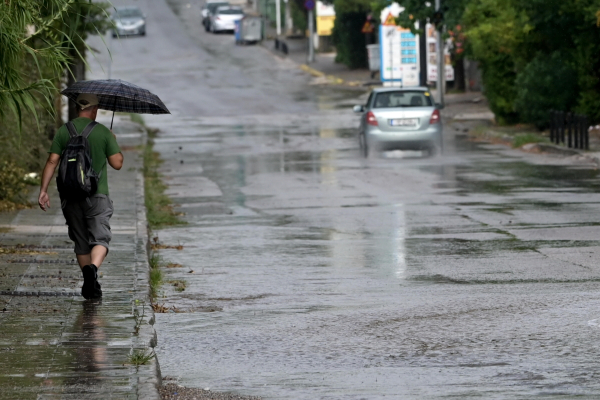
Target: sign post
[
  {"x": 310, "y": 6},
  {"x": 440, "y": 57},
  {"x": 399, "y": 54},
  {"x": 278, "y": 16}
]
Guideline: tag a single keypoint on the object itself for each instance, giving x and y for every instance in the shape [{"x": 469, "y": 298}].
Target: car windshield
[
  {"x": 213, "y": 6},
  {"x": 230, "y": 11},
  {"x": 129, "y": 13},
  {"x": 402, "y": 99}
]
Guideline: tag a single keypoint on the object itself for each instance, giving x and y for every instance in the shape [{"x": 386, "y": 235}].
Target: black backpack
[{"x": 76, "y": 178}]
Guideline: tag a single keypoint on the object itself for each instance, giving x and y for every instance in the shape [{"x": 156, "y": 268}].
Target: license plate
[{"x": 404, "y": 122}]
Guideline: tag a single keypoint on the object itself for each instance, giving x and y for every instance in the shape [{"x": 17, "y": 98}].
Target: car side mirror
[
  {"x": 358, "y": 109},
  {"x": 439, "y": 106}
]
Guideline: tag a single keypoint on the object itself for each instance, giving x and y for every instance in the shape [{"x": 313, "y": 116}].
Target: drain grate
[
  {"x": 13, "y": 234},
  {"x": 34, "y": 261},
  {"x": 37, "y": 294},
  {"x": 47, "y": 276},
  {"x": 34, "y": 247}
]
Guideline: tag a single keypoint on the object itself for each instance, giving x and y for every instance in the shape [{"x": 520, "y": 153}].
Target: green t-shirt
[{"x": 102, "y": 145}]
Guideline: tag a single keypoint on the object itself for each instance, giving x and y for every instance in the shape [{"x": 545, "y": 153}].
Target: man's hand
[{"x": 44, "y": 200}]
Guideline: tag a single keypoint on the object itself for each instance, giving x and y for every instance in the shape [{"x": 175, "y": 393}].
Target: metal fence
[{"x": 570, "y": 129}]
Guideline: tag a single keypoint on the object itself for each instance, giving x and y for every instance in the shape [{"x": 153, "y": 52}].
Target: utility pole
[
  {"x": 278, "y": 16},
  {"x": 288, "y": 18},
  {"x": 441, "y": 69},
  {"x": 423, "y": 53}
]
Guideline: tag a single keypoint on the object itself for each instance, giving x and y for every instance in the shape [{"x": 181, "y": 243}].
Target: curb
[
  {"x": 148, "y": 383},
  {"x": 329, "y": 79},
  {"x": 565, "y": 152},
  {"x": 332, "y": 79}
]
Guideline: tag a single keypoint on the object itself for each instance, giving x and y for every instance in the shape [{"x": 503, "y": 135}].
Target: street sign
[
  {"x": 399, "y": 56},
  {"x": 309, "y": 4},
  {"x": 389, "y": 20},
  {"x": 368, "y": 27}
]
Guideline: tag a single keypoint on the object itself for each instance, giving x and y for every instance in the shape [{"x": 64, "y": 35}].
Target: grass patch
[
  {"x": 524, "y": 138},
  {"x": 156, "y": 275},
  {"x": 137, "y": 118},
  {"x": 140, "y": 357},
  {"x": 178, "y": 284},
  {"x": 159, "y": 206}
]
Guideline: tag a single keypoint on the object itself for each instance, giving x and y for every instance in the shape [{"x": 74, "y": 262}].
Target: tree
[
  {"x": 350, "y": 15},
  {"x": 45, "y": 31}
]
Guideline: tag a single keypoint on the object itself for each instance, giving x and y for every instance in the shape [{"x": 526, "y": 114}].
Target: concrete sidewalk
[{"x": 53, "y": 343}]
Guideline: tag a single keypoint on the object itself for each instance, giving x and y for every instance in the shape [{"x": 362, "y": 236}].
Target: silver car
[
  {"x": 400, "y": 118},
  {"x": 209, "y": 8},
  {"x": 223, "y": 19},
  {"x": 129, "y": 21}
]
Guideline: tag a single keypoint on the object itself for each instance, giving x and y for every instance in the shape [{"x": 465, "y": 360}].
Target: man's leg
[
  {"x": 84, "y": 259},
  {"x": 98, "y": 255}
]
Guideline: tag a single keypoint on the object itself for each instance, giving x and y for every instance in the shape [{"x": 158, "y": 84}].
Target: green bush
[
  {"x": 547, "y": 82},
  {"x": 349, "y": 40},
  {"x": 498, "y": 76},
  {"x": 12, "y": 181}
]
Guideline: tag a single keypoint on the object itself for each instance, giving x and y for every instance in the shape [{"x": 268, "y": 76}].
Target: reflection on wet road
[
  {"x": 326, "y": 276},
  {"x": 313, "y": 273}
]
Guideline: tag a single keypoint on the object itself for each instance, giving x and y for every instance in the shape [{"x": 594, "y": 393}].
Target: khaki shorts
[{"x": 88, "y": 222}]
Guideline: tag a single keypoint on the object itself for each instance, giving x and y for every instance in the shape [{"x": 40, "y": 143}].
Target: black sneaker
[{"x": 91, "y": 288}]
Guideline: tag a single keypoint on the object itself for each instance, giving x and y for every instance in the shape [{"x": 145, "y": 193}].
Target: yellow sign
[
  {"x": 368, "y": 27},
  {"x": 390, "y": 20},
  {"x": 325, "y": 25}
]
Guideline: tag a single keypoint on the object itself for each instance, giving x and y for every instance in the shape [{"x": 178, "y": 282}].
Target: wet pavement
[
  {"x": 53, "y": 343},
  {"x": 313, "y": 273}
]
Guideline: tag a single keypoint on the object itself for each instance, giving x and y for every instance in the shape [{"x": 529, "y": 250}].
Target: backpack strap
[
  {"x": 88, "y": 129},
  {"x": 71, "y": 128}
]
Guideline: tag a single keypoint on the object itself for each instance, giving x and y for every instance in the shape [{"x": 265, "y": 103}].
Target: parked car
[
  {"x": 223, "y": 19},
  {"x": 128, "y": 21},
  {"x": 210, "y": 8},
  {"x": 400, "y": 118}
]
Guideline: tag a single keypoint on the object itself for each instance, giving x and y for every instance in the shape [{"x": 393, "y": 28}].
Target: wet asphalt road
[{"x": 317, "y": 274}]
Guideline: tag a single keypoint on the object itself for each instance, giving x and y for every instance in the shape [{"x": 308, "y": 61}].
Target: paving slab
[{"x": 53, "y": 343}]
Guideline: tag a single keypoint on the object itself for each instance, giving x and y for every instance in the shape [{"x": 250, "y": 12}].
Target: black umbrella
[{"x": 118, "y": 95}]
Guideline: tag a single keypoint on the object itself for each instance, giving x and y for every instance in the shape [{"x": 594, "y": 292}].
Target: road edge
[{"x": 148, "y": 384}]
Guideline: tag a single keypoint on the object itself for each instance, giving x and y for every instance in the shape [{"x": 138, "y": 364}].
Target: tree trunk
[
  {"x": 459, "y": 74},
  {"x": 77, "y": 74}
]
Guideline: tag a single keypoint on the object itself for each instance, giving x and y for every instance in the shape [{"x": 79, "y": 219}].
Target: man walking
[{"x": 87, "y": 218}]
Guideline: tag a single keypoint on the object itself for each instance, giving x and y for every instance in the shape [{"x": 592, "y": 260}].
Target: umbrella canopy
[{"x": 118, "y": 95}]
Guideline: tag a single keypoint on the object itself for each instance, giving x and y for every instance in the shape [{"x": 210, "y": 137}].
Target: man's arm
[
  {"x": 51, "y": 163},
  {"x": 116, "y": 161}
]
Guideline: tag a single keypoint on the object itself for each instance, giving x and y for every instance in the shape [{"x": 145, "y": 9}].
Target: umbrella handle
[{"x": 113, "y": 117}]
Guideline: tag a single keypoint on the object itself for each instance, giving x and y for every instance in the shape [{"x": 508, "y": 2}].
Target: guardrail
[{"x": 570, "y": 129}]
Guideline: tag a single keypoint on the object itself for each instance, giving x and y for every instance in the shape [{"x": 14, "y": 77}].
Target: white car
[
  {"x": 128, "y": 21},
  {"x": 207, "y": 8},
  {"x": 224, "y": 18}
]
